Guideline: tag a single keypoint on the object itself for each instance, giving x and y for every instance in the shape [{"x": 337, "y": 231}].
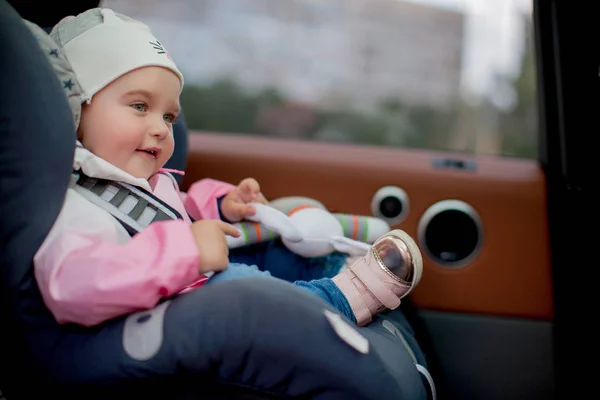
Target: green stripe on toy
[
  {"x": 344, "y": 222},
  {"x": 361, "y": 227},
  {"x": 245, "y": 232}
]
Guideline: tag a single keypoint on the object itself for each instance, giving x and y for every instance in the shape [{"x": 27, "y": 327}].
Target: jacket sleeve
[
  {"x": 201, "y": 199},
  {"x": 89, "y": 277}
]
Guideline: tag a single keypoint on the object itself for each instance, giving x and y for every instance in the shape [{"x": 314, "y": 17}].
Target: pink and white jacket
[{"x": 90, "y": 270}]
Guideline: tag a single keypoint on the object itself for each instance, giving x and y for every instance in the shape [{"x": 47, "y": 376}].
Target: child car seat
[{"x": 255, "y": 338}]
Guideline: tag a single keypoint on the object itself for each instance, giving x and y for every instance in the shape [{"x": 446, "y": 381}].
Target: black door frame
[{"x": 567, "y": 60}]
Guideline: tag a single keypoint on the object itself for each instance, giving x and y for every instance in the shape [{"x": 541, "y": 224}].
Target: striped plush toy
[{"x": 308, "y": 229}]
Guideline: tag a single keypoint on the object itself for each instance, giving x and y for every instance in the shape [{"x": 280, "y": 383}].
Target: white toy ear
[
  {"x": 276, "y": 221},
  {"x": 349, "y": 246}
]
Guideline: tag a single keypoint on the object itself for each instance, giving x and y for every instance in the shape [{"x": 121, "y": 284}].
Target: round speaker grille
[
  {"x": 450, "y": 233},
  {"x": 391, "y": 204}
]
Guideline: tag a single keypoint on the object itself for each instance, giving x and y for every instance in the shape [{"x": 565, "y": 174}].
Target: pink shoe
[{"x": 382, "y": 277}]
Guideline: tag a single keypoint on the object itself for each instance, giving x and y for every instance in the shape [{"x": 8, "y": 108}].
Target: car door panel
[{"x": 511, "y": 274}]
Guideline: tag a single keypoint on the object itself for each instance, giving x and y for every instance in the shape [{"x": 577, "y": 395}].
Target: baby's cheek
[
  {"x": 165, "y": 155},
  {"x": 169, "y": 146}
]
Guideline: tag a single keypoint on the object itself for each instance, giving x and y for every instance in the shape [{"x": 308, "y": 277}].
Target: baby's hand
[
  {"x": 212, "y": 244},
  {"x": 235, "y": 205}
]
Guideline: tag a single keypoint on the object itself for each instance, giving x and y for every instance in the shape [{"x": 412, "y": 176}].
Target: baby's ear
[{"x": 61, "y": 67}]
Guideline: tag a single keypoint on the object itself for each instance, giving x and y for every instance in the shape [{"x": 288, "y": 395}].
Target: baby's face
[{"x": 129, "y": 123}]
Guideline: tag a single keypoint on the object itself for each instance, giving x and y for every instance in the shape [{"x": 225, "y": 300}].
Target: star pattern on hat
[
  {"x": 68, "y": 84},
  {"x": 54, "y": 52}
]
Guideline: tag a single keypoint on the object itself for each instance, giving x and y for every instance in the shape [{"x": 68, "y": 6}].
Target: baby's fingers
[
  {"x": 261, "y": 199},
  {"x": 229, "y": 229},
  {"x": 249, "y": 189}
]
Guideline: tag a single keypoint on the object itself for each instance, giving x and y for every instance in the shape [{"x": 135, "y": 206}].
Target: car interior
[{"x": 495, "y": 195}]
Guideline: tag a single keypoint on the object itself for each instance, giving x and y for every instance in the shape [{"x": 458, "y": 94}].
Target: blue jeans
[{"x": 273, "y": 259}]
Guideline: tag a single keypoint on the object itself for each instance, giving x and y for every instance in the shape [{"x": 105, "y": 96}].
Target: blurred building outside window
[{"x": 451, "y": 75}]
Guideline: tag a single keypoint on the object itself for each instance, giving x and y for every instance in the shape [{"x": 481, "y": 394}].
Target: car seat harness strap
[{"x": 135, "y": 208}]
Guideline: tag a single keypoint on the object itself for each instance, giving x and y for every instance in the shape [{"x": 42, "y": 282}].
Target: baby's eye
[
  {"x": 139, "y": 107},
  {"x": 170, "y": 118}
]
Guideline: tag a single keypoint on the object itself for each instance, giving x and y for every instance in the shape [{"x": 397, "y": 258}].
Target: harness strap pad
[{"x": 135, "y": 208}]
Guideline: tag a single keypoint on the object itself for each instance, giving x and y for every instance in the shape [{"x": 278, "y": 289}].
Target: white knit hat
[{"x": 102, "y": 45}]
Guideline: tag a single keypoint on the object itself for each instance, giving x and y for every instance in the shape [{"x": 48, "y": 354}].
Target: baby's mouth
[{"x": 153, "y": 152}]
